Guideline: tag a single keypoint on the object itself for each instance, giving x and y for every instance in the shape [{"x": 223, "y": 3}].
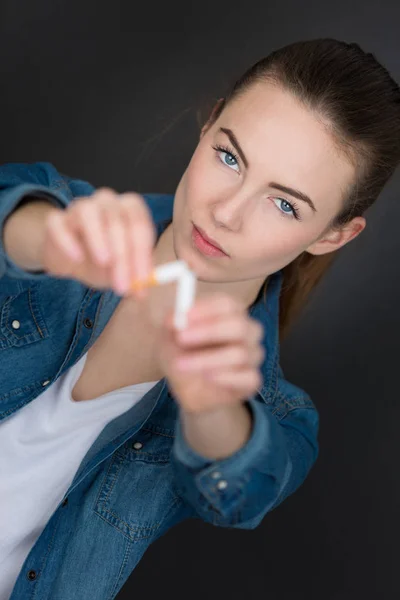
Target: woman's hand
[
  {"x": 104, "y": 240},
  {"x": 222, "y": 349}
]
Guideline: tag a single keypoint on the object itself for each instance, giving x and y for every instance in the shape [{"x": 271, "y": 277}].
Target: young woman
[{"x": 113, "y": 429}]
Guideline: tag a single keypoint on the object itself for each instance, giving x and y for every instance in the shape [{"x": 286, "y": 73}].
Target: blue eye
[
  {"x": 287, "y": 208},
  {"x": 230, "y": 159}
]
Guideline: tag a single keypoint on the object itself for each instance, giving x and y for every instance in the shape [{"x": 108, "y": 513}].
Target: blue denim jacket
[{"x": 124, "y": 496}]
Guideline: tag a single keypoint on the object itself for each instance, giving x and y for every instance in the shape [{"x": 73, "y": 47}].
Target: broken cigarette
[
  {"x": 162, "y": 274},
  {"x": 186, "y": 289}
]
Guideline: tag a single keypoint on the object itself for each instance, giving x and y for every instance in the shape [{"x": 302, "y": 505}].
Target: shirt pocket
[
  {"x": 21, "y": 320},
  {"x": 137, "y": 492}
]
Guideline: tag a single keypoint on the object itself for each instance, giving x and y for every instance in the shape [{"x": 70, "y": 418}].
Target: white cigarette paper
[
  {"x": 178, "y": 271},
  {"x": 184, "y": 298},
  {"x": 170, "y": 271}
]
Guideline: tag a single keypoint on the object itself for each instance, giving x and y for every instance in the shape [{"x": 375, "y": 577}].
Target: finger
[
  {"x": 195, "y": 362},
  {"x": 142, "y": 234},
  {"x": 244, "y": 382},
  {"x": 214, "y": 359},
  {"x": 118, "y": 243},
  {"x": 257, "y": 330},
  {"x": 136, "y": 256},
  {"x": 86, "y": 217},
  {"x": 216, "y": 304},
  {"x": 221, "y": 330},
  {"x": 62, "y": 237}
]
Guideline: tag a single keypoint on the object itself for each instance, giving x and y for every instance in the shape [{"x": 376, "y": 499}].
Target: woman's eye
[
  {"x": 285, "y": 207},
  {"x": 227, "y": 158}
]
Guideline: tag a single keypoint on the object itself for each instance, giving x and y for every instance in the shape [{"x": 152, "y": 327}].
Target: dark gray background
[{"x": 84, "y": 89}]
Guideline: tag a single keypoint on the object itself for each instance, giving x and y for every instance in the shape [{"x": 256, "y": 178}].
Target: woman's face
[{"x": 244, "y": 193}]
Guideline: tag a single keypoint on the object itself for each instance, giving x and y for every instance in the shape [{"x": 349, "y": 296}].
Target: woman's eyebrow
[
  {"x": 295, "y": 193},
  {"x": 235, "y": 143},
  {"x": 277, "y": 186}
]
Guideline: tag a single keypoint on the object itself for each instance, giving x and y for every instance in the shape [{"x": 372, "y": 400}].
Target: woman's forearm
[
  {"x": 217, "y": 434},
  {"x": 23, "y": 234}
]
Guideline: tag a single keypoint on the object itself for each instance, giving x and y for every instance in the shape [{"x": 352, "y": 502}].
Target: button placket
[{"x": 88, "y": 323}]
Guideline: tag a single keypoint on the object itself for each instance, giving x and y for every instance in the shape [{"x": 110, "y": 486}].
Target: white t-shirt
[{"x": 41, "y": 448}]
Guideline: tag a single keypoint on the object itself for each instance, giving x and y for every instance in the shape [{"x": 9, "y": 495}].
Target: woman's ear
[
  {"x": 212, "y": 117},
  {"x": 336, "y": 238}
]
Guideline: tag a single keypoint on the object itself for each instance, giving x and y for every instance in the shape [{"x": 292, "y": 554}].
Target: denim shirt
[{"x": 127, "y": 494}]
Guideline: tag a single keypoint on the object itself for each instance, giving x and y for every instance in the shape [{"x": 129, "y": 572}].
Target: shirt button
[
  {"x": 88, "y": 323},
  {"x": 31, "y": 575},
  {"x": 222, "y": 485},
  {"x": 137, "y": 445},
  {"x": 65, "y": 502},
  {"x": 15, "y": 324},
  {"x": 216, "y": 475},
  {"x": 46, "y": 382}
]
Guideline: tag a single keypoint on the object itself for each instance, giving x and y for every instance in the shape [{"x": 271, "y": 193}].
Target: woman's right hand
[{"x": 104, "y": 240}]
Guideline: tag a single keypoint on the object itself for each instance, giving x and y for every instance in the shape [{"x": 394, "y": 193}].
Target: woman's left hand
[{"x": 223, "y": 350}]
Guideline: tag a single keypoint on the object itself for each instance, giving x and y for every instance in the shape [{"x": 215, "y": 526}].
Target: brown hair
[{"x": 356, "y": 95}]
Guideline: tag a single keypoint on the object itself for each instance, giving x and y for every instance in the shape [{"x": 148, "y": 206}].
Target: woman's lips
[{"x": 204, "y": 246}]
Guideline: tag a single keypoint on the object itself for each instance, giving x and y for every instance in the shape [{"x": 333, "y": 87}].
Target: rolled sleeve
[
  {"x": 22, "y": 182},
  {"x": 241, "y": 489}
]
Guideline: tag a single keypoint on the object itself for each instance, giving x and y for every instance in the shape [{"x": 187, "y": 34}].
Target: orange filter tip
[{"x": 149, "y": 282}]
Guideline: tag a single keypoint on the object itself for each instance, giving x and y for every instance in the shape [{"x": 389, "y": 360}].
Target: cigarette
[
  {"x": 184, "y": 298},
  {"x": 162, "y": 274},
  {"x": 171, "y": 271},
  {"x": 186, "y": 289}
]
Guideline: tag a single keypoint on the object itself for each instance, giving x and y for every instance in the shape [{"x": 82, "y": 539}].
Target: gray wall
[{"x": 83, "y": 89}]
